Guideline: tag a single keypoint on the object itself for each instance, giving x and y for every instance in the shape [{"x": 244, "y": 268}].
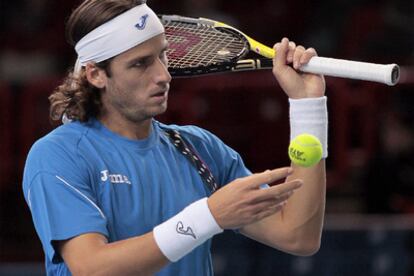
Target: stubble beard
[{"x": 130, "y": 111}]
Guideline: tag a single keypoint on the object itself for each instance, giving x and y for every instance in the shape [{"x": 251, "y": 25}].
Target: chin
[
  {"x": 163, "y": 108},
  {"x": 158, "y": 111}
]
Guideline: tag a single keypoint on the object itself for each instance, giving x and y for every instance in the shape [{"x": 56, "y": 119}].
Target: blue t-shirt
[{"x": 83, "y": 178}]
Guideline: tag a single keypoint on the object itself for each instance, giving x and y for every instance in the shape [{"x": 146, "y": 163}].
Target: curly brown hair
[{"x": 76, "y": 97}]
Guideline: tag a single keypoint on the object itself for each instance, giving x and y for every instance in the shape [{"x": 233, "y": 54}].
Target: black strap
[{"x": 185, "y": 148}]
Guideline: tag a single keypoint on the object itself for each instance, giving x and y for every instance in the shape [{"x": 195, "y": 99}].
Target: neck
[{"x": 126, "y": 128}]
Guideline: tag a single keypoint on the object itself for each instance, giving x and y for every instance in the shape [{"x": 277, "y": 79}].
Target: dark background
[{"x": 371, "y": 145}]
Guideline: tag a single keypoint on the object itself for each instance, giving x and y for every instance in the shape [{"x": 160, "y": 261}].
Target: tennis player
[{"x": 115, "y": 192}]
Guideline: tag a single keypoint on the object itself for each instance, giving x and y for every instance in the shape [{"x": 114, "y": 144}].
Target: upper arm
[{"x": 76, "y": 252}]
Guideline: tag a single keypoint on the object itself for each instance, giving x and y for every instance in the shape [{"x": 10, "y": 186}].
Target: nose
[{"x": 161, "y": 73}]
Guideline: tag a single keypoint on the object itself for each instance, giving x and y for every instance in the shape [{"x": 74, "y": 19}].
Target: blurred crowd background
[{"x": 370, "y": 196}]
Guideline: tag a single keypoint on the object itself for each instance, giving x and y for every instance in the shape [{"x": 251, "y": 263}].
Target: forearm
[
  {"x": 304, "y": 212},
  {"x": 91, "y": 254},
  {"x": 297, "y": 228},
  {"x": 136, "y": 256}
]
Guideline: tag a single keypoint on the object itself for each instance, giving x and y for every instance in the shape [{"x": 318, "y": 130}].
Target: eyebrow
[{"x": 139, "y": 58}]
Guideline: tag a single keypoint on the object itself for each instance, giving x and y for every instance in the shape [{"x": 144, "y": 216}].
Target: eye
[
  {"x": 140, "y": 63},
  {"x": 163, "y": 56}
]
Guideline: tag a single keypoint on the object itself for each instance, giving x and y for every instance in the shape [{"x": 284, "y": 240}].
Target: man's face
[{"x": 138, "y": 86}]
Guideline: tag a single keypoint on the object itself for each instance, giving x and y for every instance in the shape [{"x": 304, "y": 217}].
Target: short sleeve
[
  {"x": 60, "y": 196},
  {"x": 61, "y": 211}
]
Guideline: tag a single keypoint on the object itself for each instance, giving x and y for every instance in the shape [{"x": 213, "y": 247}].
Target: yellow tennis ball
[{"x": 305, "y": 150}]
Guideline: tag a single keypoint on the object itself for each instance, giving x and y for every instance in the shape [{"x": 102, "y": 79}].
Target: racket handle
[{"x": 388, "y": 74}]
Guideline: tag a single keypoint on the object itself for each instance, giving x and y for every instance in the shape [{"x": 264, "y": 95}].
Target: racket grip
[{"x": 383, "y": 73}]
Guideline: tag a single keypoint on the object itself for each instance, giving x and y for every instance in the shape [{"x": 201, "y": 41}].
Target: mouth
[{"x": 160, "y": 94}]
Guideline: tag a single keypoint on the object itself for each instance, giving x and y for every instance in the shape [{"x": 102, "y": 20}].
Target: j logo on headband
[{"x": 142, "y": 22}]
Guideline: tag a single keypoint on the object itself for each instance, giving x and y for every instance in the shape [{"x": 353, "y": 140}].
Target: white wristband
[
  {"x": 179, "y": 235},
  {"x": 310, "y": 115}
]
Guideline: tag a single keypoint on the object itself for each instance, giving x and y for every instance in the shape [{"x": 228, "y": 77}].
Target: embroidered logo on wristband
[
  {"x": 174, "y": 246},
  {"x": 188, "y": 232}
]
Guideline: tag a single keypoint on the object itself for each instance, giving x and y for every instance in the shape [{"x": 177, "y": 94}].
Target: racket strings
[
  {"x": 215, "y": 47},
  {"x": 192, "y": 47},
  {"x": 199, "y": 45}
]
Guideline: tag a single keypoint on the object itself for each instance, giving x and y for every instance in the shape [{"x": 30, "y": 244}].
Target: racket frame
[{"x": 388, "y": 74}]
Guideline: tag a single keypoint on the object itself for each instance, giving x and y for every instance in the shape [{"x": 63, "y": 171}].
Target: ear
[{"x": 96, "y": 76}]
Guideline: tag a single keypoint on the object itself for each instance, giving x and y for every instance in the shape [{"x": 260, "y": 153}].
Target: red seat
[
  {"x": 354, "y": 124},
  {"x": 7, "y": 123},
  {"x": 363, "y": 24}
]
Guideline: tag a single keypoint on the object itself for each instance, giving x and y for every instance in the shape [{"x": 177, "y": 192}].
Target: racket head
[{"x": 199, "y": 46}]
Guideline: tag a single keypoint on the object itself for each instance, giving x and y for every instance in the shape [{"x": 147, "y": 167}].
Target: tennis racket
[{"x": 200, "y": 46}]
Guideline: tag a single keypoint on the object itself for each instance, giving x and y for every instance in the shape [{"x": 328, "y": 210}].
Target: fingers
[
  {"x": 291, "y": 51},
  {"x": 281, "y": 50},
  {"x": 297, "y": 56},
  {"x": 242, "y": 201},
  {"x": 269, "y": 207},
  {"x": 272, "y": 200},
  {"x": 254, "y": 181},
  {"x": 303, "y": 56},
  {"x": 288, "y": 53},
  {"x": 266, "y": 200},
  {"x": 270, "y": 211},
  {"x": 280, "y": 191},
  {"x": 307, "y": 55}
]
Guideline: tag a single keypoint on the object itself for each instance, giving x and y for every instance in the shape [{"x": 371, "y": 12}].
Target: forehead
[{"x": 149, "y": 47}]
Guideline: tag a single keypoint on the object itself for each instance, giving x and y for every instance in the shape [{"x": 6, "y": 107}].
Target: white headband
[{"x": 118, "y": 35}]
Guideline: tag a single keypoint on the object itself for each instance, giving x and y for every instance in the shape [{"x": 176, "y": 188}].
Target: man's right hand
[{"x": 243, "y": 201}]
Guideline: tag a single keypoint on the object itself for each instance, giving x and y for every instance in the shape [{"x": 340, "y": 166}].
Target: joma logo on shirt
[{"x": 114, "y": 178}]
